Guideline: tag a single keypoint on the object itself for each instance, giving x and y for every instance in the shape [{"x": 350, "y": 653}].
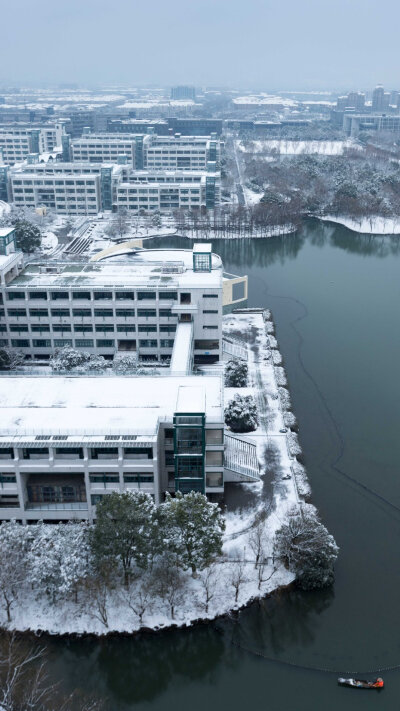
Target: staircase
[
  {"x": 234, "y": 348},
  {"x": 241, "y": 459}
]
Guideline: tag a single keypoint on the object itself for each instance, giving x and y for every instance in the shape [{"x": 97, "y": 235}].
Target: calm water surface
[{"x": 335, "y": 300}]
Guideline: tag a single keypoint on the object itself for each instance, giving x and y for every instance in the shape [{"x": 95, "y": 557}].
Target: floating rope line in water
[
  {"x": 305, "y": 667},
  {"x": 338, "y": 433}
]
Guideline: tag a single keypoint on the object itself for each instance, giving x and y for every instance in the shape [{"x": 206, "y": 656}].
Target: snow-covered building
[
  {"x": 18, "y": 141},
  {"x": 166, "y": 190},
  {"x": 65, "y": 442},
  {"x": 131, "y": 300},
  {"x": 107, "y": 148},
  {"x": 180, "y": 152}
]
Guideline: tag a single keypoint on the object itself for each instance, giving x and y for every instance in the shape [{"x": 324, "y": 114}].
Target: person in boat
[{"x": 378, "y": 684}]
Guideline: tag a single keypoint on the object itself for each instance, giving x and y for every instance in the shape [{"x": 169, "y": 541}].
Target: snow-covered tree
[
  {"x": 76, "y": 560},
  {"x": 125, "y": 530},
  {"x": 68, "y": 358},
  {"x": 209, "y": 581},
  {"x": 241, "y": 414},
  {"x": 14, "y": 544},
  {"x": 236, "y": 372},
  {"x": 192, "y": 527},
  {"x": 257, "y": 540},
  {"x": 238, "y": 577},
  {"x": 10, "y": 358},
  {"x": 307, "y": 548},
  {"x": 27, "y": 236},
  {"x": 169, "y": 581}
]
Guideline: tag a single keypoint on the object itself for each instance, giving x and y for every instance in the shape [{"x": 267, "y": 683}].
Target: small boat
[{"x": 361, "y": 684}]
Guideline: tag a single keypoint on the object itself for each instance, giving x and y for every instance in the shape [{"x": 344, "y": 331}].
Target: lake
[{"x": 335, "y": 299}]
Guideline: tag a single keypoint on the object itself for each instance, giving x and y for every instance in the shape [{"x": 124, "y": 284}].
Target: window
[
  {"x": 168, "y": 295},
  {"x": 43, "y": 328},
  {"x": 146, "y": 295},
  {"x": 210, "y": 311},
  {"x": 205, "y": 344},
  {"x": 126, "y": 329},
  {"x": 215, "y": 459},
  {"x": 60, "y": 329},
  {"x": 41, "y": 343},
  {"x": 124, "y": 313},
  {"x": 146, "y": 313},
  {"x": 148, "y": 343},
  {"x": 214, "y": 479},
  {"x": 166, "y": 343},
  {"x": 104, "y": 478},
  {"x": 104, "y": 453},
  {"x": 61, "y": 342},
  {"x": 210, "y": 328},
  {"x": 15, "y": 295},
  {"x": 84, "y": 343},
  {"x": 102, "y": 295},
  {"x": 18, "y": 328},
  {"x": 19, "y": 343},
  {"x": 69, "y": 452},
  {"x": 165, "y": 313},
  {"x": 169, "y": 459},
  {"x": 81, "y": 295},
  {"x": 16, "y": 312},
  {"x": 125, "y": 295},
  {"x": 185, "y": 298},
  {"x": 214, "y": 436},
  {"x": 104, "y": 343},
  {"x": 38, "y": 295},
  {"x": 104, "y": 313},
  {"x": 82, "y": 312},
  {"x": 39, "y": 313},
  {"x": 138, "y": 453},
  {"x": 60, "y": 312},
  {"x": 138, "y": 478},
  {"x": 210, "y": 296},
  {"x": 147, "y": 329},
  {"x": 168, "y": 329},
  {"x": 59, "y": 295},
  {"x": 95, "y": 499}
]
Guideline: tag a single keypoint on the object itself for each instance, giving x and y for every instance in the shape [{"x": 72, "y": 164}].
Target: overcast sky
[{"x": 267, "y": 44}]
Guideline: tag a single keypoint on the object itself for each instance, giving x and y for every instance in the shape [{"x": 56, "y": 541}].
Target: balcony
[{"x": 55, "y": 506}]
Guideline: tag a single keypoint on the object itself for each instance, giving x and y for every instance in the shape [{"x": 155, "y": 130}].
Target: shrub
[
  {"x": 236, "y": 372},
  {"x": 241, "y": 414}
]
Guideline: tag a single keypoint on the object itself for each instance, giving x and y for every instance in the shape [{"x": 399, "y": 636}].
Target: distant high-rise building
[
  {"x": 183, "y": 93},
  {"x": 353, "y": 100},
  {"x": 378, "y": 98}
]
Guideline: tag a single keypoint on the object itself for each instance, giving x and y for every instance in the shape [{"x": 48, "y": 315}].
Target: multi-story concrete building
[
  {"x": 180, "y": 152},
  {"x": 106, "y": 148},
  {"x": 18, "y": 141},
  {"x": 67, "y": 442},
  {"x": 146, "y": 302},
  {"x": 67, "y": 188},
  {"x": 354, "y": 123},
  {"x": 166, "y": 190},
  {"x": 182, "y": 93}
]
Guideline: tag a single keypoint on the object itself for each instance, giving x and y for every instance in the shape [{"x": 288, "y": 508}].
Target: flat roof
[
  {"x": 92, "y": 406},
  {"x": 4, "y": 231},
  {"x": 131, "y": 268}
]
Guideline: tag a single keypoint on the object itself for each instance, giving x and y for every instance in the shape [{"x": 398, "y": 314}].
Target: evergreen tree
[
  {"x": 241, "y": 414},
  {"x": 10, "y": 358},
  {"x": 193, "y": 529},
  {"x": 236, "y": 372},
  {"x": 27, "y": 236},
  {"x": 125, "y": 530},
  {"x": 307, "y": 548}
]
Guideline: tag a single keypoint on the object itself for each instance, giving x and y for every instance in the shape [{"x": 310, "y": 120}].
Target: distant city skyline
[{"x": 259, "y": 44}]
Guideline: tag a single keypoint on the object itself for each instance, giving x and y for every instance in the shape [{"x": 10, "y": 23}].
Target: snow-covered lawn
[{"x": 368, "y": 225}]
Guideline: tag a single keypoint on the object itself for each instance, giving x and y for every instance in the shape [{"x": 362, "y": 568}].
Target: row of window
[
  {"x": 77, "y": 453},
  {"x": 100, "y": 328},
  {"x": 85, "y": 343},
  {"x": 97, "y": 296}
]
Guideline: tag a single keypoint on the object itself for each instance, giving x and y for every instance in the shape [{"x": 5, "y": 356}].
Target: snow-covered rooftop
[
  {"x": 4, "y": 231},
  {"x": 97, "y": 406},
  {"x": 130, "y": 268}
]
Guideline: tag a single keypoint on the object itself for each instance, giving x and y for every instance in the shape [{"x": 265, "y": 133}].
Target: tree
[
  {"x": 307, "y": 548},
  {"x": 125, "y": 530},
  {"x": 118, "y": 226},
  {"x": 68, "y": 358},
  {"x": 241, "y": 414},
  {"x": 10, "y": 358},
  {"x": 169, "y": 581},
  {"x": 209, "y": 582},
  {"x": 256, "y": 541},
  {"x": 139, "y": 598},
  {"x": 236, "y": 372},
  {"x": 14, "y": 542},
  {"x": 193, "y": 528},
  {"x": 238, "y": 577},
  {"x": 27, "y": 236}
]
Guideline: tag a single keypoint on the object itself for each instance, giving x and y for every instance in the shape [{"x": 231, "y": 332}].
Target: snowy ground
[
  {"x": 368, "y": 225},
  {"x": 285, "y": 147}
]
